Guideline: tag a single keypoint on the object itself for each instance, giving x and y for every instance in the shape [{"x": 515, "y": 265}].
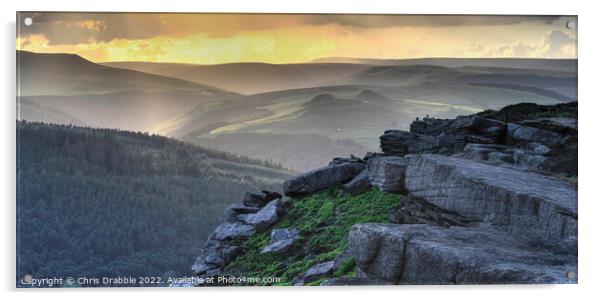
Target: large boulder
[
  {"x": 323, "y": 178},
  {"x": 387, "y": 173},
  {"x": 425, "y": 254},
  {"x": 282, "y": 241},
  {"x": 521, "y": 202},
  {"x": 265, "y": 217}
]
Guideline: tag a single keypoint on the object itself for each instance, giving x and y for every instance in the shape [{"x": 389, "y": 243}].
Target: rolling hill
[
  {"x": 101, "y": 96},
  {"x": 250, "y": 78}
]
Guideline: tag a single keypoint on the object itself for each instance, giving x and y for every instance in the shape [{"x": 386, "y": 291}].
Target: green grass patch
[{"x": 324, "y": 220}]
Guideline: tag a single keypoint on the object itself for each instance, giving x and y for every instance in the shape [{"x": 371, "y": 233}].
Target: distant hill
[
  {"x": 70, "y": 74},
  {"x": 553, "y": 84},
  {"x": 250, "y": 78},
  {"x": 101, "y": 96},
  {"x": 564, "y": 65},
  {"x": 98, "y": 203}
]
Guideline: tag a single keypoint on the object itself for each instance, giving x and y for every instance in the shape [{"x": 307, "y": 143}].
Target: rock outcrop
[
  {"x": 486, "y": 201},
  {"x": 529, "y": 143},
  {"x": 239, "y": 221},
  {"x": 425, "y": 254}
]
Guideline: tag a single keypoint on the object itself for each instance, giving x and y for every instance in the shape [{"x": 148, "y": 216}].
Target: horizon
[
  {"x": 212, "y": 39},
  {"x": 315, "y": 61}
]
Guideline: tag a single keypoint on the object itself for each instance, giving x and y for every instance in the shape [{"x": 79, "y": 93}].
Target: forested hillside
[{"x": 100, "y": 202}]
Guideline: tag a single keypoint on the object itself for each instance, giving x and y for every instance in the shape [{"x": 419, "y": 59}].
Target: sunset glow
[{"x": 225, "y": 38}]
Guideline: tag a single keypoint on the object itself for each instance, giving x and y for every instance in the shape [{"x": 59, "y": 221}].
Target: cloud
[
  {"x": 74, "y": 28},
  {"x": 554, "y": 44},
  {"x": 559, "y": 43},
  {"x": 475, "y": 47},
  {"x": 378, "y": 21}
]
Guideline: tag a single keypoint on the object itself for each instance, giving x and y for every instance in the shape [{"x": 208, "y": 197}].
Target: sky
[{"x": 293, "y": 38}]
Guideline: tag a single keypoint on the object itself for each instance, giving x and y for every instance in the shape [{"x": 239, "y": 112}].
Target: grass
[{"x": 324, "y": 220}]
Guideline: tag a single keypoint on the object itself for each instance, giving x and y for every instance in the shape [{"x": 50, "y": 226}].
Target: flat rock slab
[
  {"x": 521, "y": 202},
  {"x": 425, "y": 254}
]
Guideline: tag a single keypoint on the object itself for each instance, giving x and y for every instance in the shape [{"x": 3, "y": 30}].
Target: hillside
[
  {"x": 249, "y": 78},
  {"x": 95, "y": 202},
  {"x": 57, "y": 87}
]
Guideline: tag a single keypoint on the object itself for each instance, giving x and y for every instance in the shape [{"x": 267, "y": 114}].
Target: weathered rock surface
[
  {"x": 400, "y": 142},
  {"x": 387, "y": 173},
  {"x": 525, "y": 134},
  {"x": 482, "y": 151},
  {"x": 322, "y": 178},
  {"x": 425, "y": 254},
  {"x": 529, "y": 159},
  {"x": 521, "y": 202},
  {"x": 318, "y": 271},
  {"x": 559, "y": 125},
  {"x": 471, "y": 129},
  {"x": 418, "y": 211},
  {"x": 265, "y": 217},
  {"x": 282, "y": 240},
  {"x": 358, "y": 184}
]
